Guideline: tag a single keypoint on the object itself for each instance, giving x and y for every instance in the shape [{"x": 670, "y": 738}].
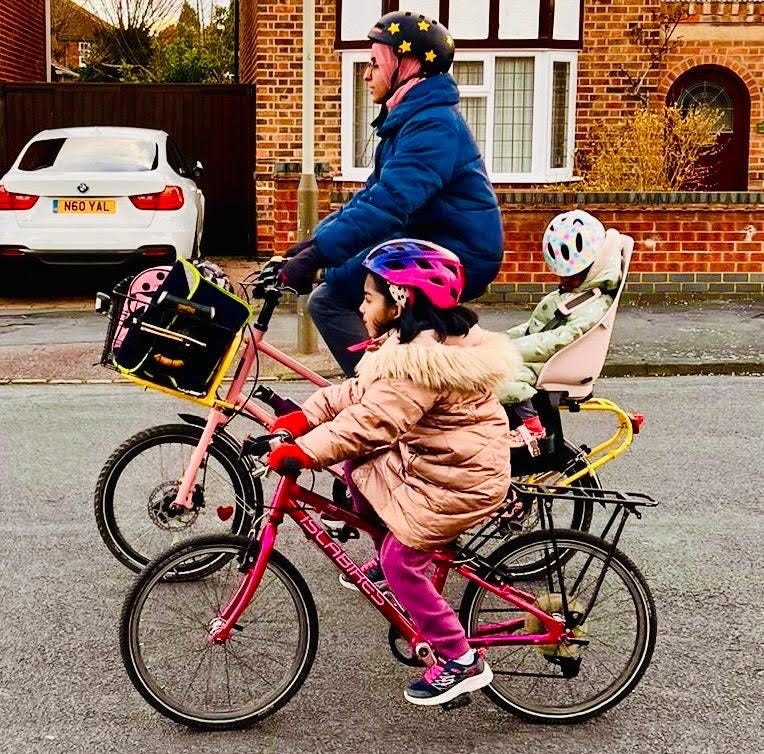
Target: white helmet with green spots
[{"x": 571, "y": 242}]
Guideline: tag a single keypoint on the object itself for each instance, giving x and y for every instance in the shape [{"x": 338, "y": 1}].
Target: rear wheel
[
  {"x": 136, "y": 488},
  {"x": 612, "y": 627},
  {"x": 166, "y": 624}
]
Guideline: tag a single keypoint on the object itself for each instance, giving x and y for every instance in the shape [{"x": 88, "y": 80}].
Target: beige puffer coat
[{"x": 431, "y": 435}]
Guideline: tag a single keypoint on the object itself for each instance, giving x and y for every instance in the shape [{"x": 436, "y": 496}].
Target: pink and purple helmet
[{"x": 412, "y": 263}]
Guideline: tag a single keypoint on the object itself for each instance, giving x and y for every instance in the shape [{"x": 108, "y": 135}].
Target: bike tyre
[
  {"x": 247, "y": 491},
  {"x": 219, "y": 547},
  {"x": 646, "y": 622}
]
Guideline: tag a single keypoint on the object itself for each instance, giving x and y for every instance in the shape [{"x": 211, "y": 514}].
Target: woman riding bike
[{"x": 429, "y": 182}]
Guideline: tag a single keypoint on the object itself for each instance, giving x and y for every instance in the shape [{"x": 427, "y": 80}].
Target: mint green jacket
[{"x": 536, "y": 347}]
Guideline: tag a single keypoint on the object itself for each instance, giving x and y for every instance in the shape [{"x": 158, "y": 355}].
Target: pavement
[{"x": 57, "y": 339}]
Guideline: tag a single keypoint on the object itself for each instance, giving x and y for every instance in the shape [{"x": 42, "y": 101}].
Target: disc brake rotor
[{"x": 164, "y": 514}]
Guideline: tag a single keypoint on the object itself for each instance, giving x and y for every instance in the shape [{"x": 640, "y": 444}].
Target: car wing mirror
[{"x": 198, "y": 170}]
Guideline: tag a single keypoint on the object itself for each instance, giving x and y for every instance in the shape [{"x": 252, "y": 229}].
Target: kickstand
[{"x": 463, "y": 700}]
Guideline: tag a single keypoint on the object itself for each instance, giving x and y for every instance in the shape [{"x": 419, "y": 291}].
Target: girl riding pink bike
[{"x": 428, "y": 440}]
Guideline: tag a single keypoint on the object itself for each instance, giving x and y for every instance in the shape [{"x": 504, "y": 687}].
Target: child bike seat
[{"x": 573, "y": 370}]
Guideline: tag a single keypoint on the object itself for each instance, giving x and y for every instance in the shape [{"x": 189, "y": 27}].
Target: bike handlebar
[{"x": 262, "y": 445}]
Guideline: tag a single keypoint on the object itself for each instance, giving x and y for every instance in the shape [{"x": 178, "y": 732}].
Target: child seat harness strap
[{"x": 572, "y": 305}]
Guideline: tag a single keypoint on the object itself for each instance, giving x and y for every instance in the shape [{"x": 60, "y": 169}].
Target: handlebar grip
[
  {"x": 184, "y": 306},
  {"x": 259, "y": 446}
]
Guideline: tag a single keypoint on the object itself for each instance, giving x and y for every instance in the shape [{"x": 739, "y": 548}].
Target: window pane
[
  {"x": 708, "y": 94},
  {"x": 97, "y": 154},
  {"x": 364, "y": 111},
  {"x": 559, "y": 146},
  {"x": 474, "y": 112},
  {"x": 513, "y": 115},
  {"x": 468, "y": 73}
]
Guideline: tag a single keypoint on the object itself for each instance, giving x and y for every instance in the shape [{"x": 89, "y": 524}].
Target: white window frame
[
  {"x": 541, "y": 172},
  {"x": 347, "y": 130},
  {"x": 83, "y": 50}
]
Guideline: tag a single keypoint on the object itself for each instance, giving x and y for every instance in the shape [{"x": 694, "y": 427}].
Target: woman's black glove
[
  {"x": 299, "y": 272},
  {"x": 293, "y": 251}
]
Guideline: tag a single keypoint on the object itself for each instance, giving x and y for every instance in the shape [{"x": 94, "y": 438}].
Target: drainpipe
[
  {"x": 48, "y": 41},
  {"x": 307, "y": 192}
]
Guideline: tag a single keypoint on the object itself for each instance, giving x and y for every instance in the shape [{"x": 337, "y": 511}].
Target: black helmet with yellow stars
[{"x": 413, "y": 34}]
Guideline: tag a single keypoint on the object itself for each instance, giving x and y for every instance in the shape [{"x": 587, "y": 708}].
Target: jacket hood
[
  {"x": 433, "y": 91},
  {"x": 605, "y": 272},
  {"x": 475, "y": 363}
]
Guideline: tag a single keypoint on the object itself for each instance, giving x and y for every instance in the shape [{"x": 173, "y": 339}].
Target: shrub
[{"x": 655, "y": 150}]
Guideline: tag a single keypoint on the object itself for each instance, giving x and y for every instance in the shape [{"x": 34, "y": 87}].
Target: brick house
[
  {"x": 537, "y": 77},
  {"x": 23, "y": 40},
  {"x": 74, "y": 31}
]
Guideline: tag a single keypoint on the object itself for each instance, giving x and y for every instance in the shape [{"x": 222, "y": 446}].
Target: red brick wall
[
  {"x": 687, "y": 250},
  {"x": 276, "y": 69},
  {"x": 22, "y": 41},
  {"x": 684, "y": 258}
]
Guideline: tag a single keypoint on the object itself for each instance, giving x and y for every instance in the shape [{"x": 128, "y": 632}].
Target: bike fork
[
  {"x": 253, "y": 564},
  {"x": 184, "y": 497}
]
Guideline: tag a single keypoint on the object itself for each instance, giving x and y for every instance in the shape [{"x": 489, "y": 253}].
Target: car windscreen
[{"x": 91, "y": 154}]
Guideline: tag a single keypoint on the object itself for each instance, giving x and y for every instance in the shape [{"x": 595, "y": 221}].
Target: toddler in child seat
[
  {"x": 425, "y": 441},
  {"x": 589, "y": 270}
]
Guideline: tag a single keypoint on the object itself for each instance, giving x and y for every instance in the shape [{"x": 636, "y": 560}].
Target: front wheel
[
  {"x": 166, "y": 623},
  {"x": 136, "y": 489},
  {"x": 607, "y": 606}
]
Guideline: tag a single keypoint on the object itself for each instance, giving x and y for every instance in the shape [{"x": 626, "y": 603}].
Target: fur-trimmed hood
[{"x": 477, "y": 362}]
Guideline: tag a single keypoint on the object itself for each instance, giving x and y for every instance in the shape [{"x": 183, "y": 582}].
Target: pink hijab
[{"x": 409, "y": 68}]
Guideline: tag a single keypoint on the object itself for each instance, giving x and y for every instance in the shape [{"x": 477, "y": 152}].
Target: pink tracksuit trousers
[{"x": 406, "y": 572}]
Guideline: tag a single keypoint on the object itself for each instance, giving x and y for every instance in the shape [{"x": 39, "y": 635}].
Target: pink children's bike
[
  {"x": 171, "y": 481},
  {"x": 221, "y": 631}
]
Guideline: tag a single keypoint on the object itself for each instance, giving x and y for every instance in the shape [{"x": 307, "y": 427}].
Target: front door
[{"x": 722, "y": 90}]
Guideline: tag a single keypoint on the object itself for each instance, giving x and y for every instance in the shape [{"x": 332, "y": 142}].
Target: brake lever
[{"x": 260, "y": 446}]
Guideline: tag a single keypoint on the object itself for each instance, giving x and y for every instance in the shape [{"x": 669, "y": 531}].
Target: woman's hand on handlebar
[{"x": 299, "y": 272}]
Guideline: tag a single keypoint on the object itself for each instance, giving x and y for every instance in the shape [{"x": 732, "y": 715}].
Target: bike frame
[
  {"x": 286, "y": 503},
  {"x": 235, "y": 400}
]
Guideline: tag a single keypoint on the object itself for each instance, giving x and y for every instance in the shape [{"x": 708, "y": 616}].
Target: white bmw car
[{"x": 100, "y": 195}]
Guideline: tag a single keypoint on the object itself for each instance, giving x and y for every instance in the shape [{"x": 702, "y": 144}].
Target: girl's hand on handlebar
[
  {"x": 295, "y": 422},
  {"x": 288, "y": 458}
]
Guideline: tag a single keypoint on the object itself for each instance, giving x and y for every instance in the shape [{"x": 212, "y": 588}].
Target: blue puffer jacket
[{"x": 429, "y": 182}]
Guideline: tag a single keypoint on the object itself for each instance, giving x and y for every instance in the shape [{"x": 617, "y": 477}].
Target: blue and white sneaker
[
  {"x": 372, "y": 570},
  {"x": 443, "y": 682}
]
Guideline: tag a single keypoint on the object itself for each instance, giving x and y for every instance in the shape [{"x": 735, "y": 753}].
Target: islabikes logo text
[{"x": 339, "y": 556}]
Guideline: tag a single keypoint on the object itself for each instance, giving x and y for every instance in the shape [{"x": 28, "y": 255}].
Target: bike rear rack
[{"x": 502, "y": 525}]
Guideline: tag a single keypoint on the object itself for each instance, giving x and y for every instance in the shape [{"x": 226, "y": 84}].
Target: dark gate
[{"x": 213, "y": 124}]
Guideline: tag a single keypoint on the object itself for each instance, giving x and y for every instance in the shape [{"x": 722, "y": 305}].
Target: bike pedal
[{"x": 463, "y": 700}]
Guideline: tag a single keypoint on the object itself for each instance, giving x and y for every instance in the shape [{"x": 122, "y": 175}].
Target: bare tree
[
  {"x": 135, "y": 14},
  {"x": 656, "y": 37},
  {"x": 127, "y": 38}
]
